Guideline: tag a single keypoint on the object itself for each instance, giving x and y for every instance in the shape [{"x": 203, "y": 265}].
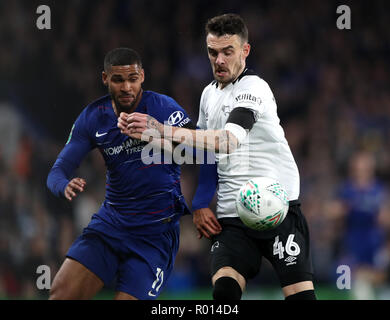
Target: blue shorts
[{"x": 141, "y": 265}]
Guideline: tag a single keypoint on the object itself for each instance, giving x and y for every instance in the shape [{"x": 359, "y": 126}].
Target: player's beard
[
  {"x": 121, "y": 108},
  {"x": 233, "y": 76}
]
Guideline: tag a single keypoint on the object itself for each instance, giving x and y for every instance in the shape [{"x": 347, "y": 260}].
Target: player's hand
[
  {"x": 135, "y": 126},
  {"x": 122, "y": 125},
  {"x": 122, "y": 122},
  {"x": 206, "y": 223},
  {"x": 140, "y": 122},
  {"x": 75, "y": 186}
]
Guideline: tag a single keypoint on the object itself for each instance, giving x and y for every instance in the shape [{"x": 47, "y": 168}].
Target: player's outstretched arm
[
  {"x": 59, "y": 180},
  {"x": 143, "y": 126}
]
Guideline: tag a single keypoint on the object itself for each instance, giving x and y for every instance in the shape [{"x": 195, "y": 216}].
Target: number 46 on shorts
[{"x": 291, "y": 248}]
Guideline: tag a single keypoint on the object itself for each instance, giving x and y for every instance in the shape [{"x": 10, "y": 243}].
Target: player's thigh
[
  {"x": 289, "y": 253},
  {"x": 91, "y": 262},
  {"x": 147, "y": 264},
  {"x": 74, "y": 281},
  {"x": 235, "y": 255}
]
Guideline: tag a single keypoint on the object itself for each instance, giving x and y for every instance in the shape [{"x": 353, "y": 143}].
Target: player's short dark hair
[
  {"x": 121, "y": 57},
  {"x": 229, "y": 23}
]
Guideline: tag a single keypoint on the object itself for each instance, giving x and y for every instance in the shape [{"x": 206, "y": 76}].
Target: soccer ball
[{"x": 262, "y": 203}]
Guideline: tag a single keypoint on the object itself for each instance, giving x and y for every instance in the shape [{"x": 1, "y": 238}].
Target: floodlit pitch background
[{"x": 332, "y": 90}]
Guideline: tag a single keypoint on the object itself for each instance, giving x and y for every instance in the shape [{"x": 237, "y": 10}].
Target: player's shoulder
[
  {"x": 213, "y": 85},
  {"x": 98, "y": 105},
  {"x": 92, "y": 115},
  {"x": 250, "y": 78},
  {"x": 249, "y": 85},
  {"x": 209, "y": 90},
  {"x": 165, "y": 108},
  {"x": 162, "y": 101}
]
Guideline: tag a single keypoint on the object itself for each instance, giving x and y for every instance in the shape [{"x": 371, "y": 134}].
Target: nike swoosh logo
[
  {"x": 100, "y": 134},
  {"x": 151, "y": 294}
]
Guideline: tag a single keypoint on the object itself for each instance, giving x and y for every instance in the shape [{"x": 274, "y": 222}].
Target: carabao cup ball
[{"x": 262, "y": 203}]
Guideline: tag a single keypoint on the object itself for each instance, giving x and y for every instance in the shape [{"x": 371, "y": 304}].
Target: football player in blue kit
[{"x": 134, "y": 237}]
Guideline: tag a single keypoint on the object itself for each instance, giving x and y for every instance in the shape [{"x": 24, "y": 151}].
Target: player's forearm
[
  {"x": 61, "y": 172},
  {"x": 161, "y": 144},
  {"x": 207, "y": 184},
  {"x": 57, "y": 180},
  {"x": 141, "y": 126},
  {"x": 222, "y": 141}
]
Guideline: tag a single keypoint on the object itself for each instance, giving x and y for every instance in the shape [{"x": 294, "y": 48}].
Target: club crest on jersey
[{"x": 226, "y": 110}]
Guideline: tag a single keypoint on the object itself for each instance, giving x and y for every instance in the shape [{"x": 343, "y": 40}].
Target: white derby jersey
[{"x": 263, "y": 153}]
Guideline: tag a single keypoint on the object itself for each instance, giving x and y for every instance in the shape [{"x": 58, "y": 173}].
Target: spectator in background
[{"x": 361, "y": 198}]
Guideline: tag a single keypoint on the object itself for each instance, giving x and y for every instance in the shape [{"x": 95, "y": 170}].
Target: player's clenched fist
[
  {"x": 139, "y": 126},
  {"x": 122, "y": 122},
  {"x": 76, "y": 185},
  {"x": 139, "y": 122}
]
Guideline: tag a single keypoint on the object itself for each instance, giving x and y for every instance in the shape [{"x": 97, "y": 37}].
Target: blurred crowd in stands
[{"x": 331, "y": 87}]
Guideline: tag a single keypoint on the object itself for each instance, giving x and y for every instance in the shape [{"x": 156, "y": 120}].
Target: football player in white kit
[{"x": 238, "y": 121}]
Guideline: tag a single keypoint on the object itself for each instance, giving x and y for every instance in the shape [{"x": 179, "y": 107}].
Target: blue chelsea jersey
[
  {"x": 138, "y": 193},
  {"x": 363, "y": 205}
]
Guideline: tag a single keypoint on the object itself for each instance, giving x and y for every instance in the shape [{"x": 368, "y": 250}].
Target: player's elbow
[{"x": 49, "y": 180}]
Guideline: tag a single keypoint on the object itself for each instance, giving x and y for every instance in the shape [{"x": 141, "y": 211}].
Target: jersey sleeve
[
  {"x": 77, "y": 146},
  {"x": 207, "y": 185},
  {"x": 253, "y": 93},
  {"x": 240, "y": 122}
]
